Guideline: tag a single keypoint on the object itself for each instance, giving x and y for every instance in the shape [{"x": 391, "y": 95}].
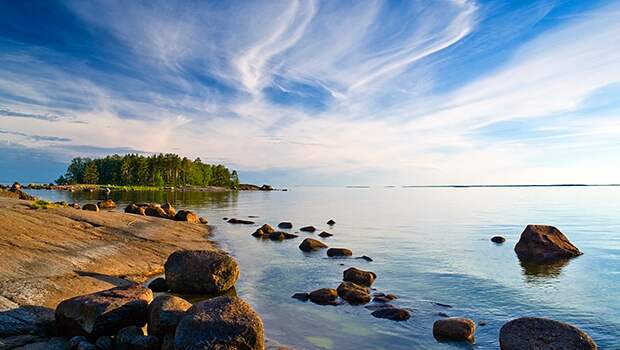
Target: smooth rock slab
[
  {"x": 223, "y": 323},
  {"x": 454, "y": 328},
  {"x": 544, "y": 244},
  {"x": 165, "y": 313},
  {"x": 105, "y": 312},
  {"x": 200, "y": 271},
  {"x": 533, "y": 333}
]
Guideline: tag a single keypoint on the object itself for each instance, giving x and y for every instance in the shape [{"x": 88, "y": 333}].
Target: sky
[{"x": 317, "y": 93}]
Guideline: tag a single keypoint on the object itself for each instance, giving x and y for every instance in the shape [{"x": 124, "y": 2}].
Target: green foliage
[
  {"x": 41, "y": 204},
  {"x": 157, "y": 170}
]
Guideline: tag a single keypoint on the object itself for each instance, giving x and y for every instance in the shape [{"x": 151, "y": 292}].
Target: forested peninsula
[{"x": 161, "y": 170}]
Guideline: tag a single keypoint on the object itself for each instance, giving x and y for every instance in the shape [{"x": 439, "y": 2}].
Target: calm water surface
[{"x": 429, "y": 245}]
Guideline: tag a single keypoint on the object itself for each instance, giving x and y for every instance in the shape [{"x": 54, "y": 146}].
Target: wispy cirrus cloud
[{"x": 415, "y": 92}]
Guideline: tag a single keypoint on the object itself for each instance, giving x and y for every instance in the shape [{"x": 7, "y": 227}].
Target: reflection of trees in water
[
  {"x": 184, "y": 199},
  {"x": 535, "y": 271}
]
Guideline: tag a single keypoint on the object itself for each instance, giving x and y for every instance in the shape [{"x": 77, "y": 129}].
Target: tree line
[{"x": 161, "y": 170}]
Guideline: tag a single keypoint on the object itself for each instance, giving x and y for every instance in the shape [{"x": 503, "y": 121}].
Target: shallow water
[{"x": 429, "y": 245}]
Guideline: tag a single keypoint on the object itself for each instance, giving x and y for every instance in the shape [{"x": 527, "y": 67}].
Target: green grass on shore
[{"x": 41, "y": 204}]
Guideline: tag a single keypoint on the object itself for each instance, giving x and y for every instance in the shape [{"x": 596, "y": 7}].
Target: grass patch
[{"x": 41, "y": 204}]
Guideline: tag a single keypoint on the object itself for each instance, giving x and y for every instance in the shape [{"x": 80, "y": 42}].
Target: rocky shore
[{"x": 108, "y": 188}]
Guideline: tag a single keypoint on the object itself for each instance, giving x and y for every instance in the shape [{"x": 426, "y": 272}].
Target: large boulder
[
  {"x": 324, "y": 296},
  {"x": 200, "y": 271},
  {"x": 533, "y": 333},
  {"x": 107, "y": 204},
  {"x": 544, "y": 244},
  {"x": 223, "y": 323},
  {"x": 165, "y": 313},
  {"x": 357, "y": 276},
  {"x": 310, "y": 244},
  {"x": 105, "y": 312},
  {"x": 454, "y": 328},
  {"x": 353, "y": 293},
  {"x": 186, "y": 215}
]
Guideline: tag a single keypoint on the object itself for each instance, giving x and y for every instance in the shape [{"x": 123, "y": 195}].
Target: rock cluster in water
[{"x": 165, "y": 211}]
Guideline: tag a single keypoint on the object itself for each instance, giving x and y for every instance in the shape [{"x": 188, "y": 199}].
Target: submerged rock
[
  {"x": 279, "y": 236},
  {"x": 498, "y": 239},
  {"x": 533, "y": 333},
  {"x": 226, "y": 323},
  {"x": 165, "y": 313},
  {"x": 339, "y": 252},
  {"x": 544, "y": 244},
  {"x": 308, "y": 229},
  {"x": 90, "y": 207},
  {"x": 353, "y": 293},
  {"x": 310, "y": 244},
  {"x": 392, "y": 313},
  {"x": 325, "y": 234},
  {"x": 301, "y": 296},
  {"x": 285, "y": 225},
  {"x": 200, "y": 271},
  {"x": 105, "y": 312},
  {"x": 361, "y": 277},
  {"x": 324, "y": 296},
  {"x": 364, "y": 257},
  {"x": 263, "y": 231},
  {"x": 454, "y": 328},
  {"x": 107, "y": 204},
  {"x": 240, "y": 221}
]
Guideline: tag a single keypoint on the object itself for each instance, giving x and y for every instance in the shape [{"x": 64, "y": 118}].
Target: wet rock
[
  {"x": 86, "y": 346},
  {"x": 17, "y": 341},
  {"x": 301, "y": 296},
  {"x": 533, "y": 333},
  {"x": 361, "y": 277},
  {"x": 158, "y": 285},
  {"x": 240, "y": 221},
  {"x": 165, "y": 313},
  {"x": 325, "y": 234},
  {"x": 225, "y": 323},
  {"x": 285, "y": 225},
  {"x": 544, "y": 244},
  {"x": 186, "y": 215},
  {"x": 132, "y": 338},
  {"x": 443, "y": 305},
  {"x": 107, "y": 204},
  {"x": 203, "y": 220},
  {"x": 364, "y": 257},
  {"x": 90, "y": 207},
  {"x": 310, "y": 244},
  {"x": 170, "y": 210},
  {"x": 263, "y": 231},
  {"x": 279, "y": 236},
  {"x": 454, "y": 328},
  {"x": 339, "y": 252},
  {"x": 308, "y": 229},
  {"x": 105, "y": 312},
  {"x": 353, "y": 293},
  {"x": 167, "y": 343},
  {"x": 331, "y": 222},
  {"x": 498, "y": 239},
  {"x": 75, "y": 341},
  {"x": 384, "y": 298},
  {"x": 200, "y": 271},
  {"x": 392, "y": 313},
  {"x": 74, "y": 205},
  {"x": 26, "y": 320},
  {"x": 323, "y": 296}
]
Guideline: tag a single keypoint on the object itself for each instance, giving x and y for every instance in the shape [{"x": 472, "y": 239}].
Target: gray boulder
[
  {"x": 224, "y": 323},
  {"x": 533, "y": 333},
  {"x": 200, "y": 271}
]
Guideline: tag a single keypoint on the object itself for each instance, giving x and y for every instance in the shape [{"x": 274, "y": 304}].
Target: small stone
[
  {"x": 498, "y": 239},
  {"x": 90, "y": 207},
  {"x": 339, "y": 252},
  {"x": 331, "y": 222},
  {"x": 308, "y": 229},
  {"x": 323, "y": 296},
  {"x": 301, "y": 296},
  {"x": 361, "y": 277},
  {"x": 285, "y": 225},
  {"x": 325, "y": 234},
  {"x": 454, "y": 328},
  {"x": 104, "y": 343},
  {"x": 364, "y": 257},
  {"x": 158, "y": 285},
  {"x": 392, "y": 313},
  {"x": 310, "y": 244}
]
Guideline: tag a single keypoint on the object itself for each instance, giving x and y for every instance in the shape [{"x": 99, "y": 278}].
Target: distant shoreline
[{"x": 485, "y": 186}]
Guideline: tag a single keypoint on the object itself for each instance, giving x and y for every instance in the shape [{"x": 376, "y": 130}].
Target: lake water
[{"x": 429, "y": 245}]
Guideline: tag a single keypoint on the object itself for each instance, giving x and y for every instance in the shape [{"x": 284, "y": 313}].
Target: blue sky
[{"x": 317, "y": 93}]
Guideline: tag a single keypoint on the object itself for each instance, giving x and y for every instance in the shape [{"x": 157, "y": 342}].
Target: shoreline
[
  {"x": 49, "y": 255},
  {"x": 128, "y": 188}
]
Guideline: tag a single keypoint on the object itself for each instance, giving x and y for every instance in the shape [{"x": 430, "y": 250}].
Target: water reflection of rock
[{"x": 534, "y": 271}]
